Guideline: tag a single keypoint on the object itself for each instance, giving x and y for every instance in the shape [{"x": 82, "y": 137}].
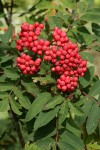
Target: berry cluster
[
  {"x": 29, "y": 33},
  {"x": 61, "y": 53},
  {"x": 28, "y": 38},
  {"x": 40, "y": 45},
  {"x": 27, "y": 65},
  {"x": 67, "y": 83},
  {"x": 59, "y": 37}
]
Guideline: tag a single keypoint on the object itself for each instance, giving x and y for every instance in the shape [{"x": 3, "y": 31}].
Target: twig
[
  {"x": 13, "y": 88},
  {"x": 2, "y": 11},
  {"x": 9, "y": 12},
  {"x": 91, "y": 97},
  {"x": 17, "y": 126},
  {"x": 88, "y": 96}
]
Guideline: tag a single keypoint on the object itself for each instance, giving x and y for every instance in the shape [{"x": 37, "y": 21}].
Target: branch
[
  {"x": 13, "y": 88},
  {"x": 17, "y": 126},
  {"x": 15, "y": 119},
  {"x": 57, "y": 131},
  {"x": 91, "y": 97},
  {"x": 11, "y": 11},
  {"x": 2, "y": 11}
]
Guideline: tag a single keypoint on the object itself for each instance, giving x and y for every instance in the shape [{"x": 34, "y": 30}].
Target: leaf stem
[{"x": 57, "y": 131}]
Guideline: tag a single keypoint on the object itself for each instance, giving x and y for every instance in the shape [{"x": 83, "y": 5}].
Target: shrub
[{"x": 47, "y": 82}]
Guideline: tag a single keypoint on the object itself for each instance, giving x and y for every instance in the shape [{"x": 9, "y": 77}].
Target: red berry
[
  {"x": 27, "y": 58},
  {"x": 18, "y": 59},
  {"x": 22, "y": 67},
  {"x": 24, "y": 72},
  {"x": 64, "y": 88},
  {"x": 58, "y": 87},
  {"x": 33, "y": 68}
]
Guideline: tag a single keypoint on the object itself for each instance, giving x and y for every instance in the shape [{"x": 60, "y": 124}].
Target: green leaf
[
  {"x": 45, "y": 5},
  {"x": 76, "y": 36},
  {"x": 1, "y": 23},
  {"x": 44, "y": 80},
  {"x": 94, "y": 146},
  {"x": 37, "y": 105},
  {"x": 96, "y": 28},
  {"x": 45, "y": 144},
  {"x": 68, "y": 4},
  {"x": 73, "y": 140},
  {"x": 75, "y": 110},
  {"x": 29, "y": 146},
  {"x": 93, "y": 119},
  {"x": 2, "y": 79},
  {"x": 5, "y": 86},
  {"x": 63, "y": 145},
  {"x": 63, "y": 17},
  {"x": 3, "y": 95},
  {"x": 45, "y": 117},
  {"x": 87, "y": 56},
  {"x": 11, "y": 73},
  {"x": 23, "y": 100},
  {"x": 64, "y": 108},
  {"x": 6, "y": 58},
  {"x": 28, "y": 20},
  {"x": 82, "y": 7},
  {"x": 86, "y": 38},
  {"x": 55, "y": 21},
  {"x": 87, "y": 107},
  {"x": 96, "y": 48},
  {"x": 4, "y": 117},
  {"x": 92, "y": 16},
  {"x": 95, "y": 89},
  {"x": 72, "y": 127},
  {"x": 62, "y": 118},
  {"x": 44, "y": 66},
  {"x": 63, "y": 113},
  {"x": 4, "y": 105},
  {"x": 31, "y": 88},
  {"x": 56, "y": 100},
  {"x": 85, "y": 81},
  {"x": 46, "y": 131},
  {"x": 15, "y": 106},
  {"x": 8, "y": 34},
  {"x": 4, "y": 46}
]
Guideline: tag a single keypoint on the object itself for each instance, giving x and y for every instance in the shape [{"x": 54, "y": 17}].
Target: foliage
[
  {"x": 31, "y": 147},
  {"x": 31, "y": 104}
]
